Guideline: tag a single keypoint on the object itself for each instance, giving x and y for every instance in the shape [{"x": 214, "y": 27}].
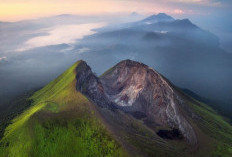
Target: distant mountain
[
  {"x": 171, "y": 46},
  {"x": 161, "y": 17},
  {"x": 131, "y": 110},
  {"x": 134, "y": 14}
]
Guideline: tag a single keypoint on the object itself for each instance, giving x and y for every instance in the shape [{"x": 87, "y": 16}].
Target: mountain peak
[
  {"x": 161, "y": 17},
  {"x": 129, "y": 63},
  {"x": 89, "y": 84},
  {"x": 136, "y": 88},
  {"x": 149, "y": 117},
  {"x": 134, "y": 14}
]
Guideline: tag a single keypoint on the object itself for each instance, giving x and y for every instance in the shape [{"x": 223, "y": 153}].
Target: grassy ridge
[
  {"x": 12, "y": 109},
  {"x": 215, "y": 127},
  {"x": 61, "y": 122}
]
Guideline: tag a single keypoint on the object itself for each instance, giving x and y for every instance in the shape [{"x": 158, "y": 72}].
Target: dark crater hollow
[
  {"x": 138, "y": 115},
  {"x": 173, "y": 134}
]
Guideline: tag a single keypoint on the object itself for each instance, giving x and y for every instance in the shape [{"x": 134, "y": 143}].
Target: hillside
[
  {"x": 61, "y": 122},
  {"x": 80, "y": 114},
  {"x": 172, "y": 47}
]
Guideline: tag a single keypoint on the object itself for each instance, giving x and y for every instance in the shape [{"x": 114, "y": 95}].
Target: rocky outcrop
[
  {"x": 135, "y": 88},
  {"x": 88, "y": 84}
]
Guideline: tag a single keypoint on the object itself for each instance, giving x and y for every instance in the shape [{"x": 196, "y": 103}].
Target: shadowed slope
[
  {"x": 73, "y": 116},
  {"x": 134, "y": 88},
  {"x": 61, "y": 122}
]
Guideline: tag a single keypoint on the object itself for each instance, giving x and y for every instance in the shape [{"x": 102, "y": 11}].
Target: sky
[
  {"x": 13, "y": 10},
  {"x": 211, "y": 15}
]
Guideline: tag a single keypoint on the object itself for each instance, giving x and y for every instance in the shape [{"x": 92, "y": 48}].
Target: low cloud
[
  {"x": 61, "y": 34},
  {"x": 3, "y": 58}
]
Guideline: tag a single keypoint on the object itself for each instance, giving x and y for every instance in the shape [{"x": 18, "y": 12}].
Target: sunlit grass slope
[{"x": 61, "y": 122}]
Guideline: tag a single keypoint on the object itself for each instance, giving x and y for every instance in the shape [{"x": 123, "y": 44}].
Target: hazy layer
[{"x": 61, "y": 34}]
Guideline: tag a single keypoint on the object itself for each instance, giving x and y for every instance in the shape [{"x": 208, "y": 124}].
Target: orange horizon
[{"x": 22, "y": 10}]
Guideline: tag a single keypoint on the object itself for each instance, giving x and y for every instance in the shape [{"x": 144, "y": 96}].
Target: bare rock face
[
  {"x": 89, "y": 85},
  {"x": 135, "y": 88}
]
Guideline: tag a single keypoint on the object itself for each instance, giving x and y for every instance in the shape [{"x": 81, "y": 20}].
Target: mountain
[
  {"x": 186, "y": 54},
  {"x": 130, "y": 110},
  {"x": 183, "y": 52},
  {"x": 138, "y": 89},
  {"x": 161, "y": 17},
  {"x": 61, "y": 122},
  {"x": 134, "y": 14}
]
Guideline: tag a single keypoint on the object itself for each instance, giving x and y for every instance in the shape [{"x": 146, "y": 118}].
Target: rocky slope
[
  {"x": 137, "y": 89},
  {"x": 131, "y": 110}
]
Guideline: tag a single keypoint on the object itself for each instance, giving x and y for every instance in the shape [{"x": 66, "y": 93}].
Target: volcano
[{"x": 130, "y": 110}]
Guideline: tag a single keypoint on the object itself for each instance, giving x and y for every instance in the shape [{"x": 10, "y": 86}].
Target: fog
[
  {"x": 34, "y": 52},
  {"x": 60, "y": 34}
]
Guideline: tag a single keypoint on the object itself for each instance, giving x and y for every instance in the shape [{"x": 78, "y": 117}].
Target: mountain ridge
[
  {"x": 171, "y": 48},
  {"x": 68, "y": 119},
  {"x": 161, "y": 17}
]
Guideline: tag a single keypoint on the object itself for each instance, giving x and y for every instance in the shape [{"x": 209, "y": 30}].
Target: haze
[
  {"x": 212, "y": 15},
  {"x": 39, "y": 40}
]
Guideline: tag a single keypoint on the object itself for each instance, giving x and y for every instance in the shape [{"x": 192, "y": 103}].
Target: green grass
[
  {"x": 60, "y": 122},
  {"x": 213, "y": 124},
  {"x": 12, "y": 109},
  {"x": 215, "y": 127},
  {"x": 77, "y": 138}
]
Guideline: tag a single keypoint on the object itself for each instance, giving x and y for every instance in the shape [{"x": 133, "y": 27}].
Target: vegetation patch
[
  {"x": 60, "y": 122},
  {"x": 76, "y": 138}
]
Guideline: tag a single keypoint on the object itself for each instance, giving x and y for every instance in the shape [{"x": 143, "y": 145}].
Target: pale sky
[{"x": 13, "y": 10}]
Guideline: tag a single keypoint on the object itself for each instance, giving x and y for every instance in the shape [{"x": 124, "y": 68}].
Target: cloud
[
  {"x": 3, "y": 58},
  {"x": 212, "y": 3},
  {"x": 178, "y": 11},
  {"x": 61, "y": 34},
  {"x": 203, "y": 2}
]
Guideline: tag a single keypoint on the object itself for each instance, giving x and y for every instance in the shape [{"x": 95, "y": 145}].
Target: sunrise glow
[{"x": 13, "y": 10}]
